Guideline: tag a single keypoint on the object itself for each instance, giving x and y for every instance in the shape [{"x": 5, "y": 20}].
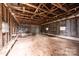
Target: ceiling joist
[
  {"x": 12, "y": 13},
  {"x": 19, "y": 9},
  {"x": 60, "y": 6},
  {"x": 40, "y": 13}
]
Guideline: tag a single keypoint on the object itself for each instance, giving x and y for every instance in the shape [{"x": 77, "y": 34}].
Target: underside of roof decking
[{"x": 40, "y": 13}]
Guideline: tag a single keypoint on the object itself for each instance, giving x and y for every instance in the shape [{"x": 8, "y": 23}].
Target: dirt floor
[{"x": 42, "y": 45}]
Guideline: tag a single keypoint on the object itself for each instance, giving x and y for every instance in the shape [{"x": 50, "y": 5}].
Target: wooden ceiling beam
[
  {"x": 12, "y": 13},
  {"x": 46, "y": 7},
  {"x": 66, "y": 12},
  {"x": 39, "y": 19},
  {"x": 58, "y": 5},
  {"x": 30, "y": 5},
  {"x": 25, "y": 15},
  {"x": 51, "y": 11},
  {"x": 22, "y": 17},
  {"x": 22, "y": 10},
  {"x": 19, "y": 9},
  {"x": 21, "y": 14},
  {"x": 28, "y": 18},
  {"x": 36, "y": 10}
]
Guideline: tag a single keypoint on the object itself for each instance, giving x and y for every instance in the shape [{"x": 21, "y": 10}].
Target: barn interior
[{"x": 39, "y": 29}]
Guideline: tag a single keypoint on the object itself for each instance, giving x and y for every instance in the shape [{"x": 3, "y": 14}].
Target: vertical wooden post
[
  {"x": 7, "y": 22},
  {"x": 9, "y": 25},
  {"x": 2, "y": 21},
  {"x": 76, "y": 25}
]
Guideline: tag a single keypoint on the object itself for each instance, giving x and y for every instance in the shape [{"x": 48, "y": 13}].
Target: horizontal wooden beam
[
  {"x": 11, "y": 12},
  {"x": 19, "y": 9},
  {"x": 30, "y": 5},
  {"x": 36, "y": 10},
  {"x": 22, "y": 17},
  {"x": 21, "y": 14},
  {"x": 48, "y": 11},
  {"x": 58, "y": 5},
  {"x": 46, "y": 7},
  {"x": 69, "y": 17},
  {"x": 25, "y": 15}
]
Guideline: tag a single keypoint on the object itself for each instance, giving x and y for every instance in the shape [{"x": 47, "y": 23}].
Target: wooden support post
[
  {"x": 2, "y": 39},
  {"x": 7, "y": 22},
  {"x": 9, "y": 25},
  {"x": 2, "y": 20}
]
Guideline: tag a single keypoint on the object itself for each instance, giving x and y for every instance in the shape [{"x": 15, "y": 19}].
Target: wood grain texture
[{"x": 41, "y": 45}]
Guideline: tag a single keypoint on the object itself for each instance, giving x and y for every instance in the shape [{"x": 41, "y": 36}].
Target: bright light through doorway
[
  {"x": 47, "y": 28},
  {"x": 62, "y": 28}
]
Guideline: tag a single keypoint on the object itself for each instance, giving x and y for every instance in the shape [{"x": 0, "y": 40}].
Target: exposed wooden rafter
[
  {"x": 41, "y": 12},
  {"x": 65, "y": 12},
  {"x": 33, "y": 6},
  {"x": 36, "y": 10},
  {"x": 58, "y": 5},
  {"x": 46, "y": 7},
  {"x": 12, "y": 13},
  {"x": 19, "y": 9}
]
